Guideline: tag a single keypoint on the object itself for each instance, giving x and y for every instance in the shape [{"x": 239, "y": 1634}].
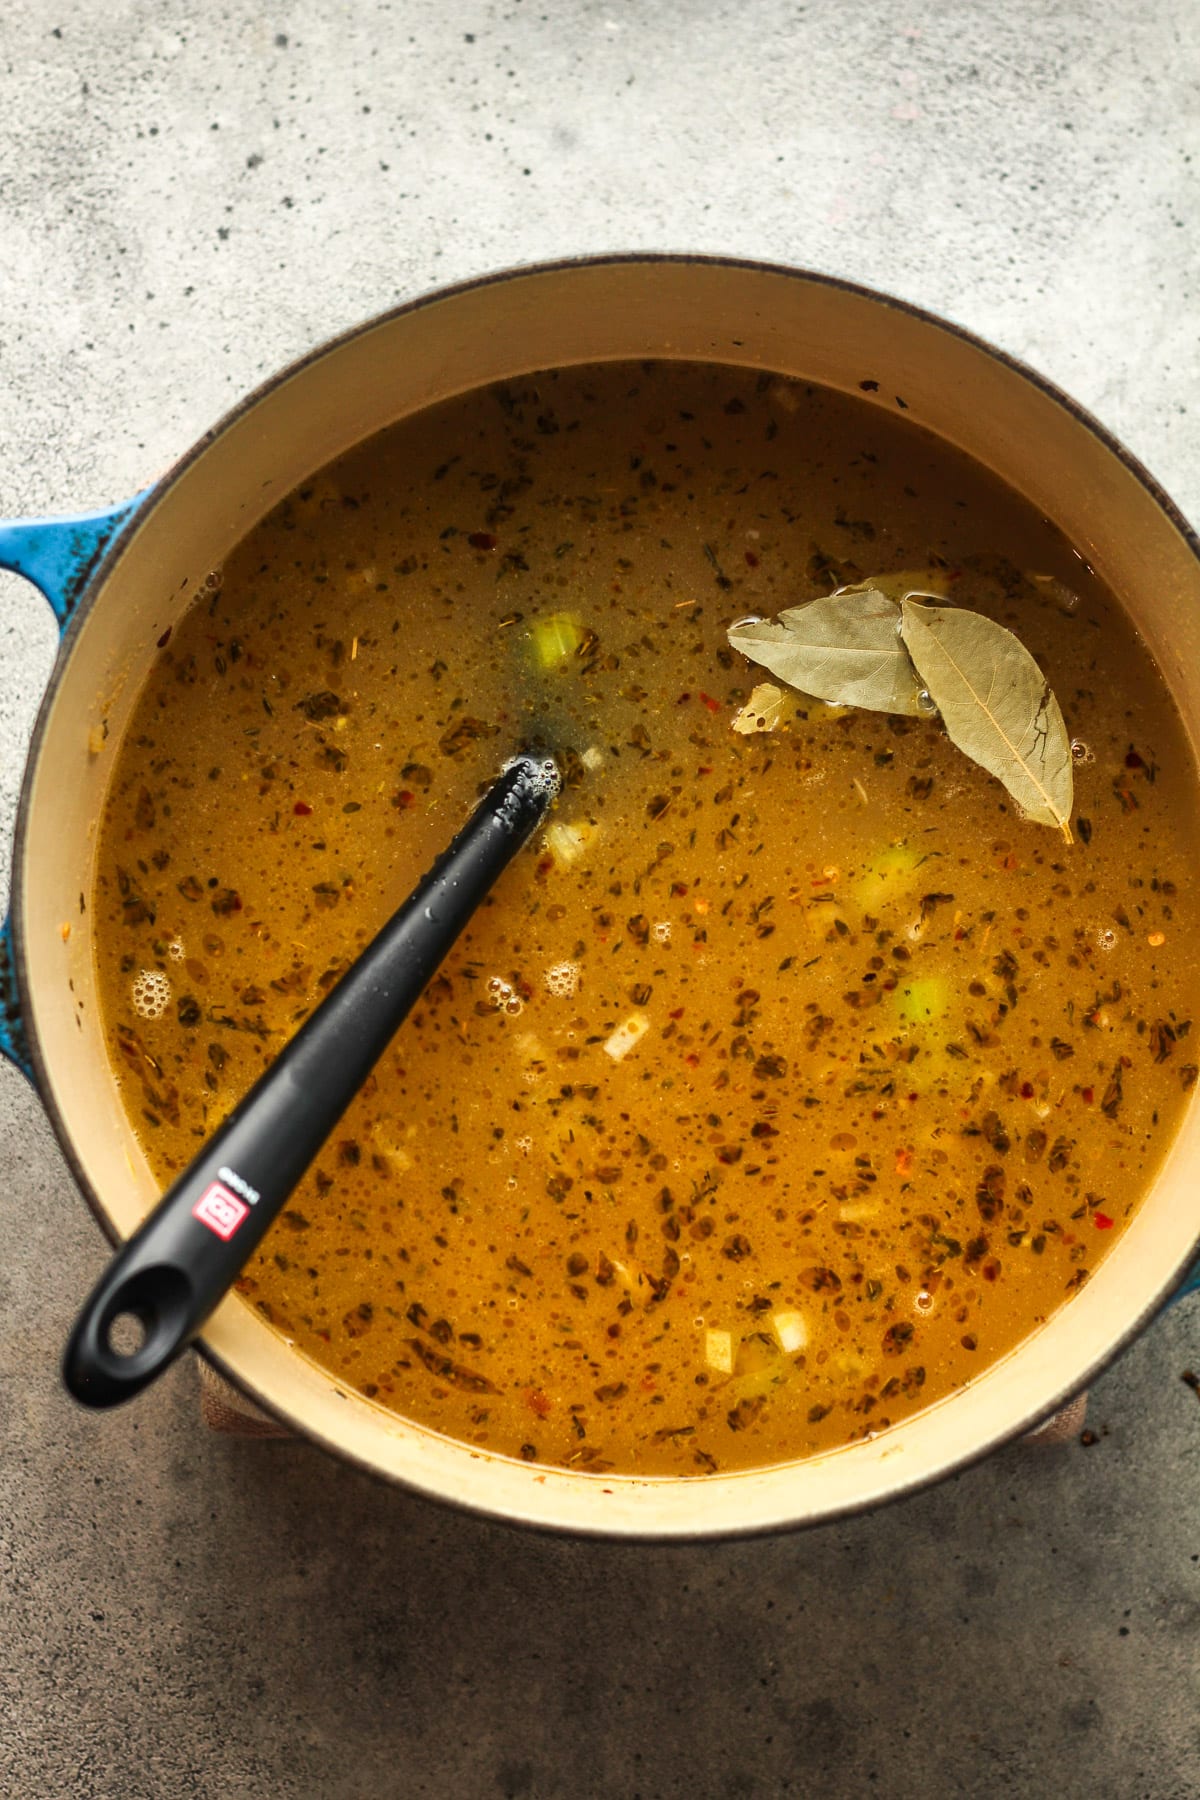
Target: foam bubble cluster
[
  {"x": 175, "y": 950},
  {"x": 562, "y": 979},
  {"x": 661, "y": 933},
  {"x": 538, "y": 775},
  {"x": 151, "y": 994},
  {"x": 504, "y": 996}
]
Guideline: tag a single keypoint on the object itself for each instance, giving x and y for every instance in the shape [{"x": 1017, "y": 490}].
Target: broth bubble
[
  {"x": 150, "y": 993},
  {"x": 1081, "y": 752},
  {"x": 562, "y": 979}
]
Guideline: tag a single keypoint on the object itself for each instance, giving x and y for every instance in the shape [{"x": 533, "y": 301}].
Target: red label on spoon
[{"x": 220, "y": 1210}]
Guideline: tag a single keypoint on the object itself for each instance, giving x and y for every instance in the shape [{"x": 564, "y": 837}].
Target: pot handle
[
  {"x": 59, "y": 556},
  {"x": 13, "y": 1042}
]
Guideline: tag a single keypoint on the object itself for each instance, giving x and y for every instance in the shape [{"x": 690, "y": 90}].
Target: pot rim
[{"x": 154, "y": 497}]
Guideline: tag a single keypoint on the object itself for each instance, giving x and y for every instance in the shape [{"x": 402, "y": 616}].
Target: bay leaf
[
  {"x": 762, "y": 711},
  {"x": 922, "y": 584},
  {"x": 996, "y": 706},
  {"x": 844, "y": 648}
]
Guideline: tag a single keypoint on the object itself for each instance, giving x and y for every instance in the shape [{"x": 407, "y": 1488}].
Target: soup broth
[{"x": 785, "y": 1081}]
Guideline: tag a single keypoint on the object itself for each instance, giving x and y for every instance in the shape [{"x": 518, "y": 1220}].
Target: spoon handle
[{"x": 176, "y": 1267}]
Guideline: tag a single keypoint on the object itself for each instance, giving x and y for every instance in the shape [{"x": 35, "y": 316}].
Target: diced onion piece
[
  {"x": 567, "y": 843},
  {"x": 555, "y": 639},
  {"x": 718, "y": 1351},
  {"x": 791, "y": 1329},
  {"x": 822, "y": 919},
  {"x": 894, "y": 872},
  {"x": 386, "y": 1140},
  {"x": 592, "y": 758},
  {"x": 922, "y": 1000},
  {"x": 639, "y": 1290},
  {"x": 764, "y": 1381},
  {"x": 626, "y": 1036},
  {"x": 853, "y": 1211}
]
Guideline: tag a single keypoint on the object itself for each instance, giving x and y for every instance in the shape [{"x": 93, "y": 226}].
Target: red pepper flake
[
  {"x": 1102, "y": 1222},
  {"x": 714, "y": 706},
  {"x": 482, "y": 540},
  {"x": 302, "y": 809},
  {"x": 705, "y": 770},
  {"x": 959, "y": 934},
  {"x": 1027, "y": 1090},
  {"x": 165, "y": 639},
  {"x": 678, "y": 1013},
  {"x": 538, "y": 1402},
  {"x": 404, "y": 799},
  {"x": 751, "y": 559},
  {"x": 692, "y": 1060},
  {"x": 1087, "y": 1095},
  {"x": 903, "y": 1161}
]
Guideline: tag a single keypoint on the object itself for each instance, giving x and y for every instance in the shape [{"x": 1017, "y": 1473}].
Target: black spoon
[{"x": 177, "y": 1266}]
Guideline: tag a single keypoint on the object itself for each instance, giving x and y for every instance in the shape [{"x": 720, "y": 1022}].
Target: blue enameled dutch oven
[{"x": 118, "y": 579}]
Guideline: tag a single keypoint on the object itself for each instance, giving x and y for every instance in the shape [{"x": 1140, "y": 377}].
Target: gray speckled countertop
[{"x": 190, "y": 194}]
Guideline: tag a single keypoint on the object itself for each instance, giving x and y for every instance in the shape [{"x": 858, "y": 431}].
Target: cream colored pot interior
[{"x": 579, "y": 313}]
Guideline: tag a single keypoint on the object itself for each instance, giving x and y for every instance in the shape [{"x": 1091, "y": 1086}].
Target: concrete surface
[{"x": 192, "y": 192}]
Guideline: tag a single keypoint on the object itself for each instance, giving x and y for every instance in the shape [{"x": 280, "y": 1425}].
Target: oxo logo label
[{"x": 220, "y": 1210}]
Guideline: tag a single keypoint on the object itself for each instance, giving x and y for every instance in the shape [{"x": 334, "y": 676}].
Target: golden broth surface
[{"x": 787, "y": 1080}]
